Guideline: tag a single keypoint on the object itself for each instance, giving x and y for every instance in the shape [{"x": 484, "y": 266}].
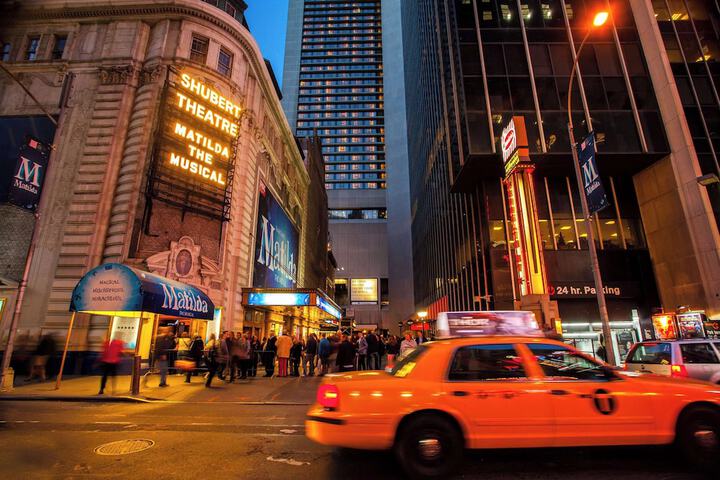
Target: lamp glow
[{"x": 600, "y": 19}]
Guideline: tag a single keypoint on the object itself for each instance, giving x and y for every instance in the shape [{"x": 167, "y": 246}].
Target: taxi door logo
[{"x": 604, "y": 402}]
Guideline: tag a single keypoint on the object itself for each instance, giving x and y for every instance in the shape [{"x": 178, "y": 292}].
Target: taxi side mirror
[{"x": 609, "y": 373}]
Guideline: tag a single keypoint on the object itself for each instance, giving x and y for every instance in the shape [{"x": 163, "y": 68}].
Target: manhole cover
[{"x": 124, "y": 447}]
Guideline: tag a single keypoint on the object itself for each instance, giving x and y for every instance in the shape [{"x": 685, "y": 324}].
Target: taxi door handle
[
  {"x": 559, "y": 392},
  {"x": 460, "y": 393}
]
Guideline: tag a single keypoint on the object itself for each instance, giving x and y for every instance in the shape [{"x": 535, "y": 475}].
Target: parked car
[{"x": 697, "y": 358}]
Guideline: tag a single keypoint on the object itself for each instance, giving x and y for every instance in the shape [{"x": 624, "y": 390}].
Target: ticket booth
[{"x": 137, "y": 304}]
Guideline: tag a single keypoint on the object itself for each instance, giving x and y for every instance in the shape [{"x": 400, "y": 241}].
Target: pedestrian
[
  {"x": 212, "y": 354},
  {"x": 164, "y": 344},
  {"x": 345, "y": 360},
  {"x": 183, "y": 346},
  {"x": 334, "y": 344},
  {"x": 195, "y": 353},
  {"x": 381, "y": 351},
  {"x": 324, "y": 350},
  {"x": 109, "y": 360},
  {"x": 311, "y": 350},
  {"x": 284, "y": 343},
  {"x": 241, "y": 355},
  {"x": 295, "y": 356},
  {"x": 270, "y": 350},
  {"x": 255, "y": 347},
  {"x": 43, "y": 352},
  {"x": 226, "y": 355},
  {"x": 393, "y": 349},
  {"x": 362, "y": 351},
  {"x": 407, "y": 344},
  {"x": 373, "y": 351}
]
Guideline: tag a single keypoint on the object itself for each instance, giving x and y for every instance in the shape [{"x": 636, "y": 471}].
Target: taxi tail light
[
  {"x": 678, "y": 371},
  {"x": 328, "y": 396}
]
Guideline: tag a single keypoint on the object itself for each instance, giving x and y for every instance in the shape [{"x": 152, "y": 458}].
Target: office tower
[
  {"x": 333, "y": 86},
  {"x": 489, "y": 236}
]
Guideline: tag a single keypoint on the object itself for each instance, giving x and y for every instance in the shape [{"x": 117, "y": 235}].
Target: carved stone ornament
[
  {"x": 184, "y": 263},
  {"x": 117, "y": 75},
  {"x": 152, "y": 74}
]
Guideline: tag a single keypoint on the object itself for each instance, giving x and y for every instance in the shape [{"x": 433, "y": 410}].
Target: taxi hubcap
[
  {"x": 430, "y": 448},
  {"x": 706, "y": 438}
]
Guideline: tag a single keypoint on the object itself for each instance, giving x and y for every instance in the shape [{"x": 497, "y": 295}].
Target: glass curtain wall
[{"x": 341, "y": 90}]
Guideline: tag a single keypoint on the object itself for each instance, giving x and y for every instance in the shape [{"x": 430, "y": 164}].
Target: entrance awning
[
  {"x": 116, "y": 289},
  {"x": 313, "y": 304}
]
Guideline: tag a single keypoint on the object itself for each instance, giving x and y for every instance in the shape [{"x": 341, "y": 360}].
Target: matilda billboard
[{"x": 276, "y": 245}]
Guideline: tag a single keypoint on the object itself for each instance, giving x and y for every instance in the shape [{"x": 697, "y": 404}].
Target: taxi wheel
[
  {"x": 429, "y": 446},
  {"x": 699, "y": 438}
]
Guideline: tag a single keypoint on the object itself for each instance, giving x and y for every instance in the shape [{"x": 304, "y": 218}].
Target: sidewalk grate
[{"x": 124, "y": 447}]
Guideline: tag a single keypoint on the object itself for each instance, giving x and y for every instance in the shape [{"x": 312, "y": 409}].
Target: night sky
[{"x": 268, "y": 20}]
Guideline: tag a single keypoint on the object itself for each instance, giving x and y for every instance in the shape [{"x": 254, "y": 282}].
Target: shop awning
[
  {"x": 308, "y": 303},
  {"x": 116, "y": 289}
]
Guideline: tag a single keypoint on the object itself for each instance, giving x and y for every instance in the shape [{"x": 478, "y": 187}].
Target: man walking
[
  {"x": 163, "y": 345},
  {"x": 346, "y": 355},
  {"x": 110, "y": 358}
]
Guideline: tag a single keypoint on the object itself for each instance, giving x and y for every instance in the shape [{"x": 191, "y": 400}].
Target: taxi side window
[
  {"x": 698, "y": 353},
  {"x": 486, "y": 362},
  {"x": 560, "y": 363}
]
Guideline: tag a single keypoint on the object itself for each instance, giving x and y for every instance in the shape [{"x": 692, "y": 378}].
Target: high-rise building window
[
  {"x": 225, "y": 60},
  {"x": 58, "y": 47},
  {"x": 32, "y": 48},
  {"x": 199, "y": 49},
  {"x": 6, "y": 48}
]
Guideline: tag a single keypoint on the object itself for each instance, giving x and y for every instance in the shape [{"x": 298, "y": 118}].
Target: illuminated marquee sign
[
  {"x": 196, "y": 149},
  {"x": 514, "y": 145}
]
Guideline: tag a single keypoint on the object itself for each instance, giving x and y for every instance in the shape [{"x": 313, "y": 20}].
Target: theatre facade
[{"x": 171, "y": 156}]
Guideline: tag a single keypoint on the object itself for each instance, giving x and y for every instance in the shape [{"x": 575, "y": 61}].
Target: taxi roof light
[{"x": 328, "y": 396}]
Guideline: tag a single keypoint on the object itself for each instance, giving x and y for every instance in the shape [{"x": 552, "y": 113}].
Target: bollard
[{"x": 135, "y": 390}]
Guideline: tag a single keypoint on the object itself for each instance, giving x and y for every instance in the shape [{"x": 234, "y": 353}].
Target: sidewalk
[{"x": 258, "y": 390}]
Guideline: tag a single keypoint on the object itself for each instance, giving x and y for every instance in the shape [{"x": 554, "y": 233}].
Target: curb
[{"x": 67, "y": 398}]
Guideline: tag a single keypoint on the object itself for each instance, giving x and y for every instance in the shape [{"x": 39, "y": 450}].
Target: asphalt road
[{"x": 49, "y": 440}]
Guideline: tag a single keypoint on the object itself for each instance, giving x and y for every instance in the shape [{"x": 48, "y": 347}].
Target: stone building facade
[{"x": 108, "y": 88}]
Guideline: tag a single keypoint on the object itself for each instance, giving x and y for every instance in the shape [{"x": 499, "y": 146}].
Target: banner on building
[
  {"x": 592, "y": 185},
  {"x": 29, "y": 174},
  {"x": 276, "y": 245}
]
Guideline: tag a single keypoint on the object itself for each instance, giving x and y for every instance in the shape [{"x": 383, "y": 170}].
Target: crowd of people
[{"x": 238, "y": 355}]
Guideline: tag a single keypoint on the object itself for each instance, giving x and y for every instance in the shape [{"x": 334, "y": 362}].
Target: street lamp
[
  {"x": 422, "y": 315},
  {"x": 598, "y": 21}
]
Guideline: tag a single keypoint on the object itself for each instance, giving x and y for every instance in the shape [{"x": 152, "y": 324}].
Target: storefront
[
  {"x": 298, "y": 312},
  {"x": 137, "y": 304}
]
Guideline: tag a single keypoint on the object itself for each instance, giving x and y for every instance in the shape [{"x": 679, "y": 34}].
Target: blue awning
[{"x": 113, "y": 287}]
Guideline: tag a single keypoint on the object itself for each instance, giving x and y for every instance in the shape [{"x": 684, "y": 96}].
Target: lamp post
[
  {"x": 598, "y": 21},
  {"x": 422, "y": 315}
]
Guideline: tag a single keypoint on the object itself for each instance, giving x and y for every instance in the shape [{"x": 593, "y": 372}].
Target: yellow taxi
[{"x": 503, "y": 391}]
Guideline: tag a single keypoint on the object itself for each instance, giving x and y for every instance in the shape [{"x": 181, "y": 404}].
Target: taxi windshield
[{"x": 407, "y": 363}]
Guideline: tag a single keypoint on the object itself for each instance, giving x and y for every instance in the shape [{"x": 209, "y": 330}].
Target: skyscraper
[
  {"x": 333, "y": 86},
  {"x": 489, "y": 236}
]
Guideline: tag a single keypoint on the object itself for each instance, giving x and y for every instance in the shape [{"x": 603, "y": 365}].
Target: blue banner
[
  {"x": 29, "y": 175},
  {"x": 276, "y": 245},
  {"x": 592, "y": 186}
]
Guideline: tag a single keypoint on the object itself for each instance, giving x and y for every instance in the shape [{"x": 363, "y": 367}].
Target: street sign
[{"x": 592, "y": 186}]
